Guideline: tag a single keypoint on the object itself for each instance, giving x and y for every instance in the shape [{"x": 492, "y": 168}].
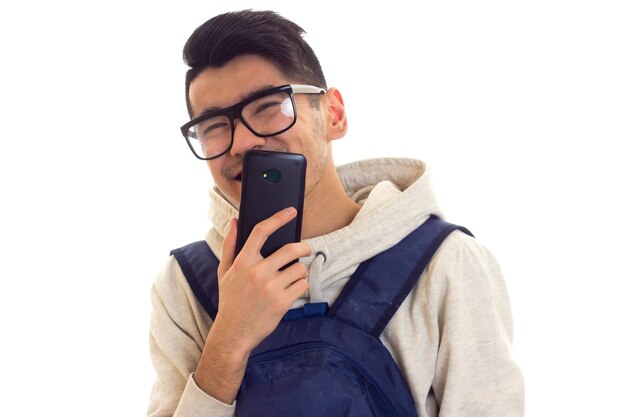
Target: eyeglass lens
[{"x": 264, "y": 116}]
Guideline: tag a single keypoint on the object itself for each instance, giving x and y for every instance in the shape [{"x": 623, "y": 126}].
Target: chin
[
  {"x": 234, "y": 195},
  {"x": 231, "y": 194}
]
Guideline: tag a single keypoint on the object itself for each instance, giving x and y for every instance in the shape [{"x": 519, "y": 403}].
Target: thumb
[{"x": 228, "y": 247}]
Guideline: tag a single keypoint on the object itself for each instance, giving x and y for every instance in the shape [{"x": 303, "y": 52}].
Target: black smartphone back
[{"x": 271, "y": 181}]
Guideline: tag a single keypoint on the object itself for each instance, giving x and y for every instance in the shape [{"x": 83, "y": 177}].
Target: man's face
[{"x": 222, "y": 87}]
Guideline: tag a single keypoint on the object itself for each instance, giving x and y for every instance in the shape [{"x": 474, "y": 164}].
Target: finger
[
  {"x": 264, "y": 229},
  {"x": 228, "y": 247},
  {"x": 297, "y": 289},
  {"x": 290, "y": 275},
  {"x": 286, "y": 254}
]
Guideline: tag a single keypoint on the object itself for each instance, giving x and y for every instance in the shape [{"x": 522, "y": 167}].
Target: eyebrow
[{"x": 243, "y": 97}]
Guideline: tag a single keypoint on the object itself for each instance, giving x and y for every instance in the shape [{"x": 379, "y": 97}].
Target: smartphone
[{"x": 271, "y": 181}]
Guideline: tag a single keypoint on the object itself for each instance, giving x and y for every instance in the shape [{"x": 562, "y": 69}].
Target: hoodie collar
[{"x": 396, "y": 196}]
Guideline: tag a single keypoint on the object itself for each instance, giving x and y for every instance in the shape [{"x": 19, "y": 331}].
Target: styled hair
[{"x": 262, "y": 33}]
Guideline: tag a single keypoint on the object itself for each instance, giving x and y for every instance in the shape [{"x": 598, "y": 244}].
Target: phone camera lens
[
  {"x": 271, "y": 176},
  {"x": 296, "y": 164}
]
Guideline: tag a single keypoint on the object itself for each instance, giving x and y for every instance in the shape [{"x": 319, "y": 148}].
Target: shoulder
[
  {"x": 172, "y": 294},
  {"x": 170, "y": 283},
  {"x": 462, "y": 253},
  {"x": 464, "y": 267}
]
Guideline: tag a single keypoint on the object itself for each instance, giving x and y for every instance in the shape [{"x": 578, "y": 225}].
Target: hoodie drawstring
[{"x": 315, "y": 287}]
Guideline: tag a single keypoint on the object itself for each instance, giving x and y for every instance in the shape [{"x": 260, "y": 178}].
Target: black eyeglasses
[{"x": 267, "y": 113}]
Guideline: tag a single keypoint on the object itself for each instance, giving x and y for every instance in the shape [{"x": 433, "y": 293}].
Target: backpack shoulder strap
[
  {"x": 199, "y": 265},
  {"x": 380, "y": 284}
]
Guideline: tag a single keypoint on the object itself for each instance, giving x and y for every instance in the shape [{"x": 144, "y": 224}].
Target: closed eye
[
  {"x": 264, "y": 106},
  {"x": 212, "y": 129}
]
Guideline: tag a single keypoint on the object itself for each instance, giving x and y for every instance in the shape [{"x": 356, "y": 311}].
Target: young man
[{"x": 451, "y": 337}]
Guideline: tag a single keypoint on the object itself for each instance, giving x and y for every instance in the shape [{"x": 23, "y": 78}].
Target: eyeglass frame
[{"x": 234, "y": 112}]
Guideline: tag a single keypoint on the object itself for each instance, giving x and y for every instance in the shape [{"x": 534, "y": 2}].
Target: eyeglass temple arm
[{"x": 306, "y": 89}]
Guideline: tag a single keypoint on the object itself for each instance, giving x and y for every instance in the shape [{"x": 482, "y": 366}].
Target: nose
[{"x": 244, "y": 140}]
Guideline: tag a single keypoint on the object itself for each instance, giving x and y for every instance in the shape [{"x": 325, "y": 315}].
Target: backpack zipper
[{"x": 306, "y": 346}]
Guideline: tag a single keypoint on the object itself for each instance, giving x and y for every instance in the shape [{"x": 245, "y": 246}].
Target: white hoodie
[{"x": 451, "y": 337}]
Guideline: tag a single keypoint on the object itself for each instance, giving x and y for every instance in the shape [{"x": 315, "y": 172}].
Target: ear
[{"x": 337, "y": 122}]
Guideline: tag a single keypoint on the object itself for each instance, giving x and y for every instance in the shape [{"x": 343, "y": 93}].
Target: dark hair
[{"x": 262, "y": 33}]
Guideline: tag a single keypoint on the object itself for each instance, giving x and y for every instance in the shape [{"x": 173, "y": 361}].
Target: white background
[{"x": 517, "y": 107}]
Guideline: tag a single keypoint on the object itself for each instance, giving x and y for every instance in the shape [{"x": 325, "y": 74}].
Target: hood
[{"x": 396, "y": 197}]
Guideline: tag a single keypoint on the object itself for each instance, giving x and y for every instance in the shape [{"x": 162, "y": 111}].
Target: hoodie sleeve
[
  {"x": 475, "y": 374},
  {"x": 178, "y": 329}
]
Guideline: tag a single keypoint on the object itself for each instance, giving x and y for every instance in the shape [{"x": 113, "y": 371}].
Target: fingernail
[{"x": 290, "y": 211}]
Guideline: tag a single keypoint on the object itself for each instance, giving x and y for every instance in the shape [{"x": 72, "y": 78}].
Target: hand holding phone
[{"x": 256, "y": 289}]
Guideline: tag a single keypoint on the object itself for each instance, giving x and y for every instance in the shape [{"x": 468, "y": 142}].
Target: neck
[{"x": 327, "y": 207}]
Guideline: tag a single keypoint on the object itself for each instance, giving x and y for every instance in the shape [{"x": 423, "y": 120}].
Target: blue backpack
[{"x": 323, "y": 361}]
